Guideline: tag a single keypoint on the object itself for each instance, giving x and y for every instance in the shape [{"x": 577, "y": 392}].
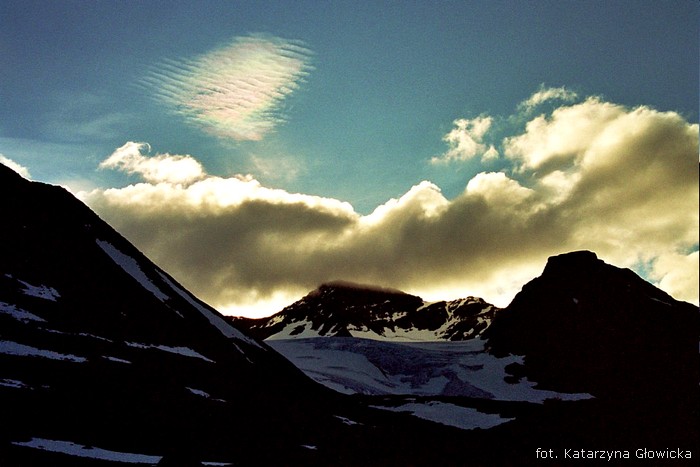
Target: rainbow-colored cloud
[{"x": 234, "y": 91}]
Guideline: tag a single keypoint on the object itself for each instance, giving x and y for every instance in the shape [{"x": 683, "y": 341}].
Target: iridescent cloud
[{"x": 235, "y": 91}]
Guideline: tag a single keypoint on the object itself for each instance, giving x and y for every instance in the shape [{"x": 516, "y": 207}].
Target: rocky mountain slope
[
  {"x": 344, "y": 309},
  {"x": 106, "y": 360},
  {"x": 582, "y": 330}
]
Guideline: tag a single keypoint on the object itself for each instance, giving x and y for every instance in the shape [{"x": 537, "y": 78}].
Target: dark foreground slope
[
  {"x": 99, "y": 347},
  {"x": 104, "y": 359}
]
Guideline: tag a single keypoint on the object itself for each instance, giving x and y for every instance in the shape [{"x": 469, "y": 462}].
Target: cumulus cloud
[
  {"x": 466, "y": 141},
  {"x": 20, "y": 169},
  {"x": 562, "y": 138},
  {"x": 235, "y": 91},
  {"x": 623, "y": 183},
  {"x": 160, "y": 168}
]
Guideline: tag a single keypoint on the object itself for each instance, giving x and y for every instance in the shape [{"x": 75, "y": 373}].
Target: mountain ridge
[{"x": 344, "y": 309}]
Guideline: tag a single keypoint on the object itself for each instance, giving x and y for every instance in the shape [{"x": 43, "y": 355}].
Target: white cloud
[
  {"x": 678, "y": 275},
  {"x": 498, "y": 190},
  {"x": 562, "y": 138},
  {"x": 546, "y": 95},
  {"x": 465, "y": 141},
  {"x": 234, "y": 91},
  {"x": 624, "y": 184},
  {"x": 20, "y": 169},
  {"x": 159, "y": 168}
]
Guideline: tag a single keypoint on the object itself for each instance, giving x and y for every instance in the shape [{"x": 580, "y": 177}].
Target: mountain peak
[
  {"x": 597, "y": 326},
  {"x": 344, "y": 290},
  {"x": 345, "y": 309},
  {"x": 581, "y": 258}
]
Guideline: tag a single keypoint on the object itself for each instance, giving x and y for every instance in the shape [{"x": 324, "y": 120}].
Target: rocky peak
[{"x": 596, "y": 327}]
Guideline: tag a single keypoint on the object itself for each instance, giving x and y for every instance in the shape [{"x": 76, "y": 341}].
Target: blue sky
[{"x": 351, "y": 104}]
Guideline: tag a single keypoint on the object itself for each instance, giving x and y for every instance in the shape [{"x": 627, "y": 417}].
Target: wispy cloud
[
  {"x": 546, "y": 94},
  {"x": 235, "y": 91},
  {"x": 83, "y": 117},
  {"x": 623, "y": 183}
]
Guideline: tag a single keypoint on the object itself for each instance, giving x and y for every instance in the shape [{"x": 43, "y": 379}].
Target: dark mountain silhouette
[{"x": 585, "y": 325}]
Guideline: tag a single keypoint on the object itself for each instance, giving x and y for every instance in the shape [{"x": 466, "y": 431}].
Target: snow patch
[
  {"x": 185, "y": 351},
  {"x": 40, "y": 291},
  {"x": 399, "y": 335},
  {"x": 292, "y": 330},
  {"x": 14, "y": 383},
  {"x": 444, "y": 413},
  {"x": 131, "y": 267},
  {"x": 347, "y": 421},
  {"x": 116, "y": 360},
  {"x": 275, "y": 320},
  {"x": 204, "y": 394},
  {"x": 19, "y": 314},
  {"x": 199, "y": 392},
  {"x": 93, "y": 336},
  {"x": 661, "y": 301},
  {"x": 79, "y": 450},
  {"x": 21, "y": 350},
  {"x": 344, "y": 371}
]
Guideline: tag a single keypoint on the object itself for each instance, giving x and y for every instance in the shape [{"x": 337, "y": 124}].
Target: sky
[{"x": 255, "y": 150}]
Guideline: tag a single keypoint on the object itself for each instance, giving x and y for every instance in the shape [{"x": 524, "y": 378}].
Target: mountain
[
  {"x": 598, "y": 342},
  {"x": 585, "y": 325},
  {"x": 106, "y": 360},
  {"x": 342, "y": 309},
  {"x": 100, "y": 347}
]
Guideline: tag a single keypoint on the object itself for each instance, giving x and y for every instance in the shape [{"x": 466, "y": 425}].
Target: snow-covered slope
[
  {"x": 350, "y": 310},
  {"x": 366, "y": 366},
  {"x": 584, "y": 327}
]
